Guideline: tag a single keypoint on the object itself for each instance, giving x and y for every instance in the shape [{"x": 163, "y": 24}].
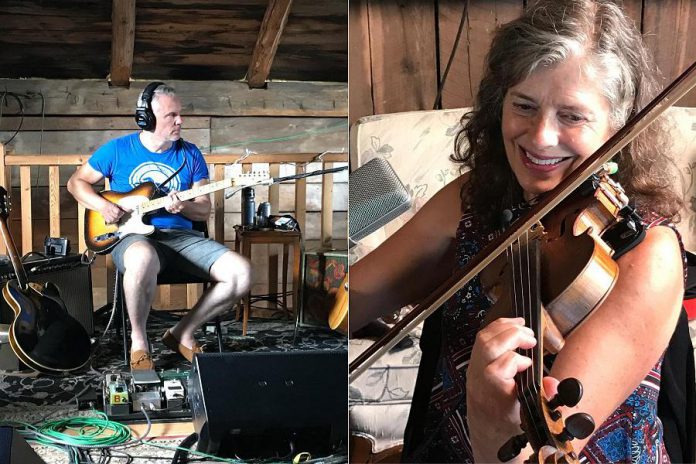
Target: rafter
[
  {"x": 271, "y": 30},
  {"x": 122, "y": 41}
]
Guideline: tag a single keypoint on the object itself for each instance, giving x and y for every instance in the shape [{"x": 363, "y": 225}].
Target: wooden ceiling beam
[
  {"x": 122, "y": 42},
  {"x": 271, "y": 30}
]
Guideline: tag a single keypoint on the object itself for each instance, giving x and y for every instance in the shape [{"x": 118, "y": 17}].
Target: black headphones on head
[{"x": 144, "y": 117}]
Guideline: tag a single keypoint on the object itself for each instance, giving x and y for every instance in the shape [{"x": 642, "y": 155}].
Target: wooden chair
[{"x": 164, "y": 278}]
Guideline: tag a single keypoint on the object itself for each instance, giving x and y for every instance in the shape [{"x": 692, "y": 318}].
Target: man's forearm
[
  {"x": 196, "y": 211},
  {"x": 85, "y": 195}
]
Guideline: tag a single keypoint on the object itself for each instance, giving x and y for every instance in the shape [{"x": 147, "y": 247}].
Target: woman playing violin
[{"x": 558, "y": 82}]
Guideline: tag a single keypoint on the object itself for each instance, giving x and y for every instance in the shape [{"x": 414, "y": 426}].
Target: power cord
[{"x": 438, "y": 98}]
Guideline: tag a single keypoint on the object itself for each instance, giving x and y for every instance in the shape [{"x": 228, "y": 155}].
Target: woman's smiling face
[{"x": 552, "y": 121}]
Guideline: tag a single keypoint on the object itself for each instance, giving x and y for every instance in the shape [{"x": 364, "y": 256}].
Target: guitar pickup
[{"x": 106, "y": 236}]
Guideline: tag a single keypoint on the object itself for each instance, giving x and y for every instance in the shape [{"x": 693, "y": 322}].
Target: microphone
[
  {"x": 506, "y": 220},
  {"x": 375, "y": 197}
]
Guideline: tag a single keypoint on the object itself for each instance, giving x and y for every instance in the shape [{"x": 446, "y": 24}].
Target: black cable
[
  {"x": 3, "y": 101},
  {"x": 309, "y": 174},
  {"x": 438, "y": 98},
  {"x": 181, "y": 456},
  {"x": 158, "y": 188}
]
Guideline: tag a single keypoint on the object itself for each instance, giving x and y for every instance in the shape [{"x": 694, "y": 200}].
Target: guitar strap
[{"x": 158, "y": 189}]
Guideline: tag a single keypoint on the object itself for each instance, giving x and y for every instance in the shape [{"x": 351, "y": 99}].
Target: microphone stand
[{"x": 277, "y": 180}]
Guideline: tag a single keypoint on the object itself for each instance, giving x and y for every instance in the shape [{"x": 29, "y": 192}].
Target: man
[{"x": 158, "y": 154}]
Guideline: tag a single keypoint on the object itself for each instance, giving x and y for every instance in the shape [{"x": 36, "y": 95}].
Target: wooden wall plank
[
  {"x": 122, "y": 40},
  {"x": 54, "y": 200},
  {"x": 192, "y": 294},
  {"x": 667, "y": 25},
  {"x": 76, "y": 159},
  {"x": 634, "y": 10},
  {"x": 327, "y": 205},
  {"x": 359, "y": 70},
  {"x": 25, "y": 194},
  {"x": 484, "y": 17},
  {"x": 274, "y": 20},
  {"x": 10, "y": 123},
  {"x": 265, "y": 135},
  {"x": 274, "y": 190},
  {"x": 68, "y": 142},
  {"x": 315, "y": 37},
  {"x": 301, "y": 199},
  {"x": 403, "y": 55},
  {"x": 67, "y": 39},
  {"x": 199, "y": 98},
  {"x": 218, "y": 232}
]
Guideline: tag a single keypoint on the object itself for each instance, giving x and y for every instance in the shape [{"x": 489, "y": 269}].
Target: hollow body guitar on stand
[
  {"x": 43, "y": 335},
  {"x": 101, "y": 237}
]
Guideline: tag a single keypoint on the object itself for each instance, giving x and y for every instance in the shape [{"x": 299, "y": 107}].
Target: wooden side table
[{"x": 243, "y": 241}]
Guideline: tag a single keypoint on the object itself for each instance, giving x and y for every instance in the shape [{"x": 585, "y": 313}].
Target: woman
[{"x": 559, "y": 81}]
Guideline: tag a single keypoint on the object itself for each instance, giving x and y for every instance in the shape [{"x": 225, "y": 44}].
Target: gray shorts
[{"x": 181, "y": 249}]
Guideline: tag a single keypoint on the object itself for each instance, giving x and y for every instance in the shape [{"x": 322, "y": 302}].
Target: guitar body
[
  {"x": 101, "y": 237},
  {"x": 43, "y": 335},
  {"x": 338, "y": 316}
]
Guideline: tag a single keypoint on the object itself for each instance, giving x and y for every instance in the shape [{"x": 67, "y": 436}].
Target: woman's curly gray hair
[{"x": 547, "y": 33}]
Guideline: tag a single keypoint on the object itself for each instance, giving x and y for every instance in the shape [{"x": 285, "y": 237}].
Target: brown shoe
[
  {"x": 175, "y": 345},
  {"x": 141, "y": 360}
]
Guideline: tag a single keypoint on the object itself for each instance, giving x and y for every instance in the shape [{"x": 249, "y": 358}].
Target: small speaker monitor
[{"x": 265, "y": 404}]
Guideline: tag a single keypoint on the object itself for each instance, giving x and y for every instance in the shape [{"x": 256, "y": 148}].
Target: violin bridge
[{"x": 537, "y": 231}]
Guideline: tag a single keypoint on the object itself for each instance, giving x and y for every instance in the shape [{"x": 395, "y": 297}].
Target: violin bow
[{"x": 667, "y": 98}]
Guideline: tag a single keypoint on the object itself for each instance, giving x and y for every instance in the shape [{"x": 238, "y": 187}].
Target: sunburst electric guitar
[{"x": 101, "y": 237}]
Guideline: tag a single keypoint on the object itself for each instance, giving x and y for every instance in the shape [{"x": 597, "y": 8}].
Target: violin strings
[{"x": 519, "y": 301}]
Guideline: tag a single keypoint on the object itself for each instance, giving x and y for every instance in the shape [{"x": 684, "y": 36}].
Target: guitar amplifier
[{"x": 73, "y": 278}]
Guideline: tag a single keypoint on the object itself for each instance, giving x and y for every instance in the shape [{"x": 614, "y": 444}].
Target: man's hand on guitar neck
[{"x": 174, "y": 205}]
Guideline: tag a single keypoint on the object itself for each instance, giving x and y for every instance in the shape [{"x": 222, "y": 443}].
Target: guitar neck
[
  {"x": 158, "y": 203},
  {"x": 14, "y": 256}
]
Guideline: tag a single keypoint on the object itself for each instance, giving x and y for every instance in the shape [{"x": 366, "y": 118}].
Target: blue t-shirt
[{"x": 127, "y": 163}]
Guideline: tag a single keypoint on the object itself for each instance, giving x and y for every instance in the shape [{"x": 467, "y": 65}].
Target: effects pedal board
[{"x": 164, "y": 396}]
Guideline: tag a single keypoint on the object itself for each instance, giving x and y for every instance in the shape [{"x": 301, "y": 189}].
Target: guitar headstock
[
  {"x": 4, "y": 203},
  {"x": 250, "y": 178}
]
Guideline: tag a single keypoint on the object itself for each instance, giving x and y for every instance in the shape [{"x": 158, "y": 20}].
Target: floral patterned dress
[{"x": 633, "y": 433}]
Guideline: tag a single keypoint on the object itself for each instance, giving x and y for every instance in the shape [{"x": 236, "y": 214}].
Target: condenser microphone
[{"x": 375, "y": 197}]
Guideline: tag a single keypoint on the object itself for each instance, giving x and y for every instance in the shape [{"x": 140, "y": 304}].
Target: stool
[{"x": 243, "y": 241}]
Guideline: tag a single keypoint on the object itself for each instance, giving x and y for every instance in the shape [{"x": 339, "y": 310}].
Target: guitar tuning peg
[
  {"x": 569, "y": 393},
  {"x": 512, "y": 447},
  {"x": 579, "y": 425}
]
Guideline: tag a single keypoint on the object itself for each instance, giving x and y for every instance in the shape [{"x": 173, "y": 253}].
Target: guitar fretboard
[{"x": 247, "y": 179}]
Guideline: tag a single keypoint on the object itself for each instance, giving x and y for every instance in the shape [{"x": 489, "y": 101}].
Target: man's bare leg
[{"x": 231, "y": 274}]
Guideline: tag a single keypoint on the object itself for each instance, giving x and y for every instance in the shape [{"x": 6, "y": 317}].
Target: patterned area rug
[
  {"x": 34, "y": 398},
  {"x": 22, "y": 390}
]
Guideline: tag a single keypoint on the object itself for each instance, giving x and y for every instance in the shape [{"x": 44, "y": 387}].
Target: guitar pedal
[{"x": 56, "y": 246}]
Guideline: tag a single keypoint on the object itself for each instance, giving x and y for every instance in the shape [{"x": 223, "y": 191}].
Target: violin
[
  {"x": 553, "y": 443},
  {"x": 555, "y": 291}
]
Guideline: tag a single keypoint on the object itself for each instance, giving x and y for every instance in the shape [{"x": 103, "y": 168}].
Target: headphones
[{"x": 144, "y": 117}]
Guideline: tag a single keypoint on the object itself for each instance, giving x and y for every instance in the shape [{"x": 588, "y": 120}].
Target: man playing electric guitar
[{"x": 159, "y": 155}]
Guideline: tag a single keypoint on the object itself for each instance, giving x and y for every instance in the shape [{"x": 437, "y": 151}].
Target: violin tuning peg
[
  {"x": 569, "y": 393},
  {"x": 512, "y": 447},
  {"x": 579, "y": 425}
]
